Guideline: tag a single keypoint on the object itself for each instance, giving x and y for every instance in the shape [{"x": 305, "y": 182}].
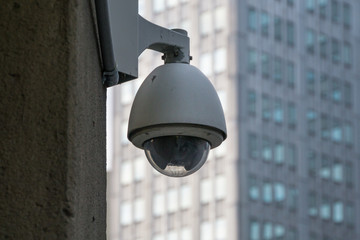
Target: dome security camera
[{"x": 176, "y": 118}]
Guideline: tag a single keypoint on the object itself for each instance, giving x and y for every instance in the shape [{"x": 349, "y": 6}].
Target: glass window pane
[
  {"x": 126, "y": 213},
  {"x": 347, "y": 15},
  {"x": 251, "y": 102},
  {"x": 158, "y": 6},
  {"x": 323, "y": 42},
  {"x": 265, "y": 65},
  {"x": 278, "y": 29},
  {"x": 205, "y": 23},
  {"x": 279, "y": 152},
  {"x": 220, "y": 60},
  {"x": 126, "y": 172},
  {"x": 278, "y": 72},
  {"x": 139, "y": 208},
  {"x": 254, "y": 230},
  {"x": 254, "y": 191},
  {"x": 266, "y": 108},
  {"x": 251, "y": 19},
  {"x": 325, "y": 208},
  {"x": 206, "y": 191},
  {"x": 335, "y": 16},
  {"x": 325, "y": 170},
  {"x": 185, "y": 196},
  {"x": 290, "y": 74},
  {"x": 268, "y": 231},
  {"x": 220, "y": 18},
  {"x": 266, "y": 149},
  {"x": 278, "y": 111},
  {"x": 220, "y": 187},
  {"x": 312, "y": 204},
  {"x": 264, "y": 23},
  {"x": 292, "y": 118},
  {"x": 337, "y": 172},
  {"x": 252, "y": 146},
  {"x": 267, "y": 192},
  {"x": 338, "y": 212},
  {"x": 206, "y": 63},
  {"x": 158, "y": 204},
  {"x": 310, "y": 41},
  {"x": 220, "y": 229},
  {"x": 290, "y": 33},
  {"x": 252, "y": 60},
  {"x": 206, "y": 231},
  {"x": 335, "y": 51},
  {"x": 279, "y": 192},
  {"x": 310, "y": 81},
  {"x": 172, "y": 200}
]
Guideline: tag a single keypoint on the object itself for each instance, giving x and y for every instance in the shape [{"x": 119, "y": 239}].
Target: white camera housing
[{"x": 176, "y": 99}]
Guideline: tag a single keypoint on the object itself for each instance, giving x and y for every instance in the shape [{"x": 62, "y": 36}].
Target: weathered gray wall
[{"x": 52, "y": 122}]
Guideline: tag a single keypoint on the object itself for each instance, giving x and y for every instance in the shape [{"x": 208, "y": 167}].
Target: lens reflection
[{"x": 176, "y": 156}]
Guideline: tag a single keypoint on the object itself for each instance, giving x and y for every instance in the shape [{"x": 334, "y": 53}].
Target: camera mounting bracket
[{"x": 124, "y": 35}]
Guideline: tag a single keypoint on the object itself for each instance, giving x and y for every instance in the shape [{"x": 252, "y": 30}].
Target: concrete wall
[{"x": 52, "y": 122}]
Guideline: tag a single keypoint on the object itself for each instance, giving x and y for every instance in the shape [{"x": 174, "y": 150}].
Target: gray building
[{"x": 287, "y": 73}]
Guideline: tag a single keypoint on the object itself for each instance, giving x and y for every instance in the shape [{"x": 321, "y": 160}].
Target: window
[
  {"x": 338, "y": 212},
  {"x": 324, "y": 86},
  {"x": 335, "y": 51},
  {"x": 158, "y": 237},
  {"x": 265, "y": 65},
  {"x": 172, "y": 200},
  {"x": 322, "y": 8},
  {"x": 279, "y": 192},
  {"x": 126, "y": 213},
  {"x": 292, "y": 234},
  {"x": 268, "y": 231},
  {"x": 139, "y": 169},
  {"x": 251, "y": 102},
  {"x": 348, "y": 134},
  {"x": 220, "y": 60},
  {"x": 312, "y": 204},
  {"x": 337, "y": 172},
  {"x": 254, "y": 191},
  {"x": 206, "y": 192},
  {"x": 325, "y": 208},
  {"x": 279, "y": 232},
  {"x": 310, "y": 41},
  {"x": 206, "y": 231},
  {"x": 251, "y": 19},
  {"x": 290, "y": 33},
  {"x": 325, "y": 170},
  {"x": 349, "y": 174},
  {"x": 347, "y": 15},
  {"x": 335, "y": 11},
  {"x": 292, "y": 155},
  {"x": 186, "y": 233},
  {"x": 171, "y": 3},
  {"x": 220, "y": 187},
  {"x": 266, "y": 108},
  {"x": 205, "y": 23},
  {"x": 252, "y": 146},
  {"x": 311, "y": 122},
  {"x": 279, "y": 152},
  {"x": 127, "y": 93},
  {"x": 126, "y": 173},
  {"x": 310, "y": 81},
  {"x": 323, "y": 45},
  {"x": 267, "y": 192},
  {"x": 336, "y": 91},
  {"x": 310, "y": 5},
  {"x": 172, "y": 235},
  {"x": 206, "y": 63},
  {"x": 312, "y": 163},
  {"x": 350, "y": 214},
  {"x": 251, "y": 60},
  {"x": 277, "y": 29},
  {"x": 139, "y": 208},
  {"x": 292, "y": 115},
  {"x": 158, "y": 204},
  {"x": 220, "y": 18},
  {"x": 348, "y": 94},
  {"x": 278, "y": 73},
  {"x": 185, "y": 196},
  {"x": 278, "y": 111},
  {"x": 254, "y": 230},
  {"x": 336, "y": 131},
  {"x": 264, "y": 23},
  {"x": 290, "y": 74},
  {"x": 266, "y": 149},
  {"x": 292, "y": 197},
  {"x": 220, "y": 229},
  {"x": 347, "y": 54},
  {"x": 158, "y": 6},
  {"x": 325, "y": 127}
]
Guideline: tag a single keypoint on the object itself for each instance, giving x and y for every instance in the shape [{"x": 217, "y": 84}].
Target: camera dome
[
  {"x": 176, "y": 106},
  {"x": 177, "y": 156}
]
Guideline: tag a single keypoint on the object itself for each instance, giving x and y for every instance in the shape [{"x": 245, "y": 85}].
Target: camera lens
[{"x": 176, "y": 156}]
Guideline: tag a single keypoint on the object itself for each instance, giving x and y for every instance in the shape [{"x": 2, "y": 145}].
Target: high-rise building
[{"x": 288, "y": 75}]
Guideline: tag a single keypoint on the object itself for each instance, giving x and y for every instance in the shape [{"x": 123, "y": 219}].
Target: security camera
[{"x": 176, "y": 118}]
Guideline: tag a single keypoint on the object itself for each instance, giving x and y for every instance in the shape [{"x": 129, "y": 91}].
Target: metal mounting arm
[{"x": 124, "y": 35}]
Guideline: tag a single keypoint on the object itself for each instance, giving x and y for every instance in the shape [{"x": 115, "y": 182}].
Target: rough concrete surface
[{"x": 52, "y": 122}]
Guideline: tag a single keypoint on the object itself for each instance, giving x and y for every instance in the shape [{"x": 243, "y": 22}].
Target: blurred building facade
[{"x": 288, "y": 75}]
